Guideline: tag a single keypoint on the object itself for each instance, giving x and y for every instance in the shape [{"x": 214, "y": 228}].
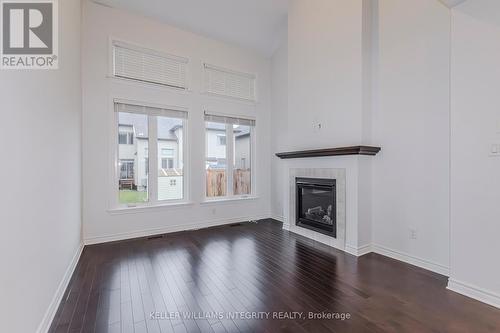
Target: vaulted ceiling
[
  {"x": 452, "y": 3},
  {"x": 253, "y": 24}
]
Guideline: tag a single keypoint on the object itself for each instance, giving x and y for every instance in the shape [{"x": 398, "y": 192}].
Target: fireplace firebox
[{"x": 316, "y": 205}]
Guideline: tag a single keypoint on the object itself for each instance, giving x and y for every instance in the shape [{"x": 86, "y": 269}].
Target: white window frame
[
  {"x": 113, "y": 41},
  {"x": 206, "y": 90},
  {"x": 152, "y": 156},
  {"x": 229, "y": 161}
]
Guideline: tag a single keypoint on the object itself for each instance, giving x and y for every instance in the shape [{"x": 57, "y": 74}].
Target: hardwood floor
[{"x": 257, "y": 269}]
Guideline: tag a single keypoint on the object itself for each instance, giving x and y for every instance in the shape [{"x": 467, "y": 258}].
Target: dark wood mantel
[{"x": 339, "y": 151}]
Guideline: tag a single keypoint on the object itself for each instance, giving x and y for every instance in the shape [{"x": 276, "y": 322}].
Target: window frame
[
  {"x": 152, "y": 156},
  {"x": 114, "y": 42},
  {"x": 207, "y": 67},
  {"x": 230, "y": 159}
]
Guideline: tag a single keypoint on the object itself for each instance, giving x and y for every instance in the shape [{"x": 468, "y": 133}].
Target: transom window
[
  {"x": 229, "y": 165},
  {"x": 145, "y": 135}
]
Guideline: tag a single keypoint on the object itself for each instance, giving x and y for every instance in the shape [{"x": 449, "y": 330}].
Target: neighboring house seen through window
[
  {"x": 167, "y": 163},
  {"x": 137, "y": 157},
  {"x": 228, "y": 156}
]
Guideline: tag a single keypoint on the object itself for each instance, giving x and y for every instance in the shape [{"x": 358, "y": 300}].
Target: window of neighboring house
[
  {"x": 228, "y": 167},
  {"x": 167, "y": 163},
  {"x": 173, "y": 182},
  {"x": 167, "y": 152},
  {"x": 139, "y": 182},
  {"x": 126, "y": 169},
  {"x": 221, "y": 139},
  {"x": 126, "y": 138}
]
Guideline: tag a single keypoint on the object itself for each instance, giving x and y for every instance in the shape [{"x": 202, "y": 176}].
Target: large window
[
  {"x": 150, "y": 154},
  {"x": 228, "y": 166}
]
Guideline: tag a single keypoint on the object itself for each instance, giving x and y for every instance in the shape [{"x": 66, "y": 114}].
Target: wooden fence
[{"x": 217, "y": 182}]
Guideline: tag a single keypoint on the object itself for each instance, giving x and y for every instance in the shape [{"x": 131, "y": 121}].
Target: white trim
[
  {"x": 124, "y": 80},
  {"x": 229, "y": 115},
  {"x": 412, "y": 260},
  {"x": 169, "y": 229},
  {"x": 358, "y": 251},
  {"x": 475, "y": 292},
  {"x": 229, "y": 167},
  {"x": 279, "y": 218},
  {"x": 113, "y": 41},
  {"x": 250, "y": 76},
  {"x": 152, "y": 105},
  {"x": 229, "y": 71},
  {"x": 114, "y": 205},
  {"x": 146, "y": 208},
  {"x": 140, "y": 48},
  {"x": 228, "y": 199},
  {"x": 61, "y": 289}
]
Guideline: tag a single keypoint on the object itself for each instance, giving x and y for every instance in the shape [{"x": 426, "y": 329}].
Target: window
[
  {"x": 173, "y": 182},
  {"x": 126, "y": 169},
  {"x": 140, "y": 64},
  {"x": 125, "y": 138},
  {"x": 228, "y": 167},
  {"x": 167, "y": 163},
  {"x": 145, "y": 177},
  {"x": 229, "y": 83},
  {"x": 221, "y": 139},
  {"x": 167, "y": 152}
]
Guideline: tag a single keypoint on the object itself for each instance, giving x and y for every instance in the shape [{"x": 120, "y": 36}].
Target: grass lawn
[{"x": 128, "y": 196}]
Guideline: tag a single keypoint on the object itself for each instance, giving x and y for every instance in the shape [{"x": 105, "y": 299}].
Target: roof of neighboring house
[
  {"x": 170, "y": 172},
  {"x": 239, "y": 132},
  {"x": 168, "y": 126}
]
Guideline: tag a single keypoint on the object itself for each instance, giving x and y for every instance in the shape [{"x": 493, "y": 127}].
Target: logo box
[{"x": 29, "y": 34}]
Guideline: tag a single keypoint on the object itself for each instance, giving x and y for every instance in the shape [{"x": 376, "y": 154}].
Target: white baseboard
[
  {"x": 412, "y": 260},
  {"x": 474, "y": 292},
  {"x": 358, "y": 251},
  {"x": 168, "y": 229},
  {"x": 56, "y": 300},
  {"x": 278, "y": 218}
]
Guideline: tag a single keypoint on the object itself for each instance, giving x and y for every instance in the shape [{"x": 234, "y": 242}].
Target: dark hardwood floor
[{"x": 257, "y": 269}]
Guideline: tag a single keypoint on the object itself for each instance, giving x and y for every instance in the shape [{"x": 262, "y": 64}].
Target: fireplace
[{"x": 316, "y": 205}]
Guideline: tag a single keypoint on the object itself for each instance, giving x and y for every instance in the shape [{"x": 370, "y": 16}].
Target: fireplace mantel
[{"x": 339, "y": 151}]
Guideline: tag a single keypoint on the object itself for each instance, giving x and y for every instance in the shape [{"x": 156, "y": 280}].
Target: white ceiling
[
  {"x": 452, "y": 3},
  {"x": 253, "y": 24}
]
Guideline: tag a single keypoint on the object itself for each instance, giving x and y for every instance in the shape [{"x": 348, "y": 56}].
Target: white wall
[
  {"x": 475, "y": 176},
  {"x": 411, "y": 124},
  {"x": 318, "y": 79},
  {"x": 324, "y": 73},
  {"x": 279, "y": 121},
  {"x": 99, "y": 24},
  {"x": 40, "y": 224}
]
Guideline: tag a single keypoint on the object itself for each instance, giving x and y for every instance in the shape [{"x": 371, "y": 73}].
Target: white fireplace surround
[{"x": 327, "y": 173}]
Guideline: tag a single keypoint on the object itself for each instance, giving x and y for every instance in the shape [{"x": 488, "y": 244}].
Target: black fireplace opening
[{"x": 316, "y": 205}]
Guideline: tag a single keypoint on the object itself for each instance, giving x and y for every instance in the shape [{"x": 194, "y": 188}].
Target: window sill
[
  {"x": 147, "y": 84},
  {"x": 228, "y": 199},
  {"x": 147, "y": 208}
]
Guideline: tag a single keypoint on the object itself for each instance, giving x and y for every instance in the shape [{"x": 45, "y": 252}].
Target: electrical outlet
[
  {"x": 413, "y": 233},
  {"x": 495, "y": 150}
]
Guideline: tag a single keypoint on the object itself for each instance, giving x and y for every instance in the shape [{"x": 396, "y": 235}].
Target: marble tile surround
[{"x": 340, "y": 176}]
